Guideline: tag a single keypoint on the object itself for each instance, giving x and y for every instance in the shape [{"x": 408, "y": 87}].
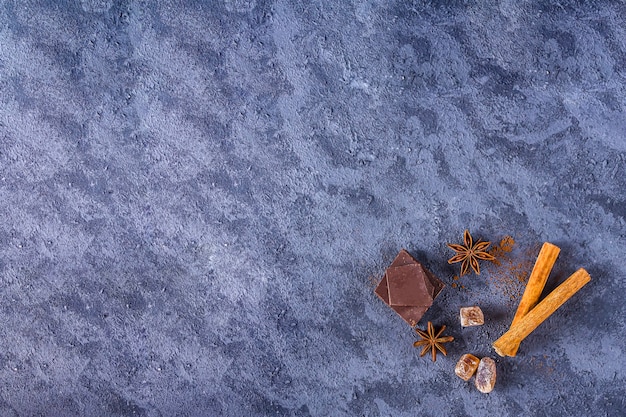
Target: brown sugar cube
[
  {"x": 472, "y": 316},
  {"x": 466, "y": 366},
  {"x": 486, "y": 375}
]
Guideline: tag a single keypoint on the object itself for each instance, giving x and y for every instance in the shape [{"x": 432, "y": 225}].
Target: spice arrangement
[{"x": 410, "y": 289}]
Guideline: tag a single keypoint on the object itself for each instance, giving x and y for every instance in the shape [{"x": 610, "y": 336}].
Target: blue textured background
[{"x": 197, "y": 199}]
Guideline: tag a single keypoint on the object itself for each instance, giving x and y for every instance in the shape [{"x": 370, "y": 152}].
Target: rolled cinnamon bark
[
  {"x": 508, "y": 343},
  {"x": 537, "y": 281}
]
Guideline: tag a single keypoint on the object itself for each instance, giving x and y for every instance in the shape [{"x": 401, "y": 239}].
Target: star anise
[
  {"x": 470, "y": 253},
  {"x": 432, "y": 341}
]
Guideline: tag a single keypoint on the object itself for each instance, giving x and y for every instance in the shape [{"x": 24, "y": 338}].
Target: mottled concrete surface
[{"x": 197, "y": 198}]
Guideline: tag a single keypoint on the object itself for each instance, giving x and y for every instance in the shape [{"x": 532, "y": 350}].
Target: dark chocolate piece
[{"x": 408, "y": 288}]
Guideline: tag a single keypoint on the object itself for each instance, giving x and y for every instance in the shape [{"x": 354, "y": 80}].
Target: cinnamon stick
[
  {"x": 537, "y": 281},
  {"x": 507, "y": 344}
]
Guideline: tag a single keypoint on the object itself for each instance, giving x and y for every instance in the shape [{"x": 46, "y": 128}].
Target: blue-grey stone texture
[{"x": 197, "y": 199}]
